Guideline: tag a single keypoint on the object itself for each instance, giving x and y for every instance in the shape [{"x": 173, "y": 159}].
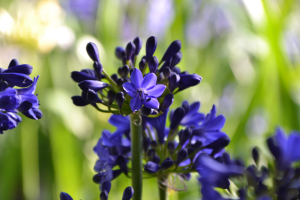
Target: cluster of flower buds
[
  {"x": 127, "y": 194},
  {"x": 166, "y": 150},
  {"x": 255, "y": 181},
  {"x": 14, "y": 100},
  {"x": 144, "y": 89}
]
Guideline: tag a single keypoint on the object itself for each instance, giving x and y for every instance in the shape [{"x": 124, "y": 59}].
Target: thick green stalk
[
  {"x": 136, "y": 150},
  {"x": 162, "y": 188}
]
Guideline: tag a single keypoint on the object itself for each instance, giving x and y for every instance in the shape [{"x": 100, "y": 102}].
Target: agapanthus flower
[{"x": 143, "y": 91}]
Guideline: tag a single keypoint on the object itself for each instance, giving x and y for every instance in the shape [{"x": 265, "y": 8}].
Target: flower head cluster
[
  {"x": 253, "y": 181},
  {"x": 142, "y": 90},
  {"x": 14, "y": 100},
  {"x": 166, "y": 150}
]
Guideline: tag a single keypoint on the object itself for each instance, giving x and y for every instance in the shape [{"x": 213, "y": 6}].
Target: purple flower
[
  {"x": 143, "y": 91},
  {"x": 8, "y": 121}
]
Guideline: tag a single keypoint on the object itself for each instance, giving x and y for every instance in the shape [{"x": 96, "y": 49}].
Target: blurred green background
[{"x": 247, "y": 52}]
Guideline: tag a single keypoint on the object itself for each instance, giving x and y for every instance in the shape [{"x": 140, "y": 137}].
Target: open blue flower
[{"x": 143, "y": 91}]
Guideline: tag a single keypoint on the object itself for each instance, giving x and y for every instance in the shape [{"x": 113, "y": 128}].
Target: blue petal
[
  {"x": 156, "y": 91},
  {"x": 136, "y": 78},
  {"x": 153, "y": 103},
  {"x": 130, "y": 89},
  {"x": 159, "y": 123},
  {"x": 81, "y": 76},
  {"x": 293, "y": 145},
  {"x": 135, "y": 103},
  {"x": 149, "y": 81},
  {"x": 33, "y": 113},
  {"x": 151, "y": 167},
  {"x": 30, "y": 89},
  {"x": 16, "y": 79}
]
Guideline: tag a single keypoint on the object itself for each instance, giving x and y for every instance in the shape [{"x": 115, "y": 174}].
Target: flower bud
[
  {"x": 93, "y": 96},
  {"x": 92, "y": 84},
  {"x": 116, "y": 173},
  {"x": 104, "y": 195},
  {"x": 218, "y": 144},
  {"x": 151, "y": 153},
  {"x": 171, "y": 147},
  {"x": 156, "y": 159},
  {"x": 167, "y": 72},
  {"x": 114, "y": 77},
  {"x": 130, "y": 49},
  {"x": 142, "y": 64},
  {"x": 110, "y": 97},
  {"x": 98, "y": 69},
  {"x": 153, "y": 64},
  {"x": 151, "y": 167},
  {"x": 188, "y": 80},
  {"x": 120, "y": 52},
  {"x": 121, "y": 161},
  {"x": 174, "y": 80},
  {"x": 226, "y": 158},
  {"x": 273, "y": 147},
  {"x": 13, "y": 63},
  {"x": 81, "y": 76},
  {"x": 138, "y": 45},
  {"x": 176, "y": 70},
  {"x": 120, "y": 99},
  {"x": 79, "y": 101},
  {"x": 105, "y": 186},
  {"x": 185, "y": 136},
  {"x": 146, "y": 143},
  {"x": 177, "y": 117},
  {"x": 144, "y": 111},
  {"x": 153, "y": 144},
  {"x": 124, "y": 71},
  {"x": 174, "y": 47},
  {"x": 175, "y": 59},
  {"x": 150, "y": 47},
  {"x": 181, "y": 156},
  {"x": 166, "y": 164},
  {"x": 168, "y": 100},
  {"x": 92, "y": 51},
  {"x": 255, "y": 155},
  {"x": 65, "y": 196},
  {"x": 128, "y": 193},
  {"x": 185, "y": 105}
]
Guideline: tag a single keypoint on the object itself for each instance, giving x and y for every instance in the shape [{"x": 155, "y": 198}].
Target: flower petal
[
  {"x": 129, "y": 87},
  {"x": 93, "y": 85},
  {"x": 153, "y": 103},
  {"x": 149, "y": 81},
  {"x": 136, "y": 78},
  {"x": 156, "y": 91},
  {"x": 135, "y": 103},
  {"x": 22, "y": 69}
]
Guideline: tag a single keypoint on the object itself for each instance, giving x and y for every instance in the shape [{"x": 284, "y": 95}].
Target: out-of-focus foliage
[{"x": 247, "y": 52}]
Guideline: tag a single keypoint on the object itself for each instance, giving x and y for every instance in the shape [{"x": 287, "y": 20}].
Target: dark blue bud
[
  {"x": 116, "y": 173},
  {"x": 124, "y": 71},
  {"x": 81, "y": 76},
  {"x": 151, "y": 167},
  {"x": 185, "y": 105},
  {"x": 65, "y": 196},
  {"x": 92, "y": 84},
  {"x": 124, "y": 61},
  {"x": 146, "y": 143},
  {"x": 151, "y": 45},
  {"x": 242, "y": 193},
  {"x": 114, "y": 77},
  {"x": 97, "y": 178},
  {"x": 105, "y": 186},
  {"x": 144, "y": 111},
  {"x": 3, "y": 86},
  {"x": 156, "y": 159},
  {"x": 98, "y": 69},
  {"x": 120, "y": 52},
  {"x": 129, "y": 50},
  {"x": 110, "y": 97},
  {"x": 255, "y": 155},
  {"x": 104, "y": 195},
  {"x": 181, "y": 156},
  {"x": 185, "y": 136},
  {"x": 226, "y": 158},
  {"x": 119, "y": 71},
  {"x": 240, "y": 162},
  {"x": 188, "y": 80},
  {"x": 160, "y": 77},
  {"x": 92, "y": 51},
  {"x": 174, "y": 47},
  {"x": 13, "y": 63},
  {"x": 93, "y": 96},
  {"x": 128, "y": 193},
  {"x": 153, "y": 143},
  {"x": 186, "y": 176},
  {"x": 175, "y": 59},
  {"x": 166, "y": 164},
  {"x": 177, "y": 117},
  {"x": 171, "y": 147},
  {"x": 120, "y": 99},
  {"x": 142, "y": 64},
  {"x": 197, "y": 145},
  {"x": 121, "y": 161},
  {"x": 167, "y": 72},
  {"x": 25, "y": 106},
  {"x": 166, "y": 64},
  {"x": 218, "y": 144},
  {"x": 176, "y": 70},
  {"x": 184, "y": 72},
  {"x": 120, "y": 82},
  {"x": 191, "y": 150},
  {"x": 153, "y": 64},
  {"x": 168, "y": 100},
  {"x": 174, "y": 81},
  {"x": 274, "y": 149},
  {"x": 151, "y": 153},
  {"x": 138, "y": 45},
  {"x": 79, "y": 101}
]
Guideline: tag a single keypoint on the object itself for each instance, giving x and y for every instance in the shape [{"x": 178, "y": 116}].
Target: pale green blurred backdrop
[{"x": 247, "y": 52}]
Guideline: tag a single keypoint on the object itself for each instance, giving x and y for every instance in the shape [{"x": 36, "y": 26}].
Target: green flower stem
[
  {"x": 162, "y": 188},
  {"x": 136, "y": 149},
  {"x": 112, "y": 82}
]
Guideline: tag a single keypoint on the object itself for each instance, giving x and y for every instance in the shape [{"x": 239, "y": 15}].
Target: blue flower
[
  {"x": 122, "y": 123},
  {"x": 143, "y": 91},
  {"x": 286, "y": 150},
  {"x": 8, "y": 121},
  {"x": 16, "y": 75},
  {"x": 214, "y": 173}
]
